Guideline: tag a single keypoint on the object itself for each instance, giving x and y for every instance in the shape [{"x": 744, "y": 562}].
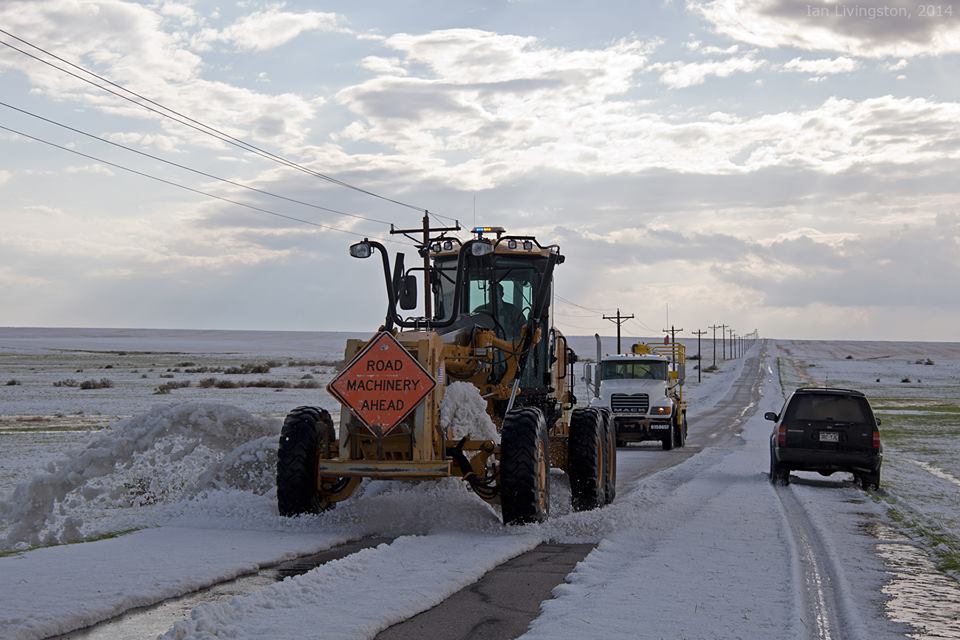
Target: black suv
[{"x": 826, "y": 430}]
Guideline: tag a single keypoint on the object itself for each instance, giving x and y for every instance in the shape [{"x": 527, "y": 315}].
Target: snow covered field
[
  {"x": 705, "y": 548},
  {"x": 914, "y": 387}
]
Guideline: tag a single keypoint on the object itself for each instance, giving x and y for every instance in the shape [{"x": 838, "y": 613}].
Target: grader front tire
[
  {"x": 524, "y": 467},
  {"x": 588, "y": 452},
  {"x": 305, "y": 431}
]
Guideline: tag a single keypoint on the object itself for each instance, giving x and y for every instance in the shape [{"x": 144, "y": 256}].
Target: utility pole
[
  {"x": 714, "y": 327},
  {"x": 723, "y": 339},
  {"x": 424, "y": 248},
  {"x": 699, "y": 333},
  {"x": 730, "y": 335},
  {"x": 619, "y": 320},
  {"x": 673, "y": 340}
]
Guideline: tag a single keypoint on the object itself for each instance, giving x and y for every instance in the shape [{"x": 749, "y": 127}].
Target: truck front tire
[{"x": 668, "y": 439}]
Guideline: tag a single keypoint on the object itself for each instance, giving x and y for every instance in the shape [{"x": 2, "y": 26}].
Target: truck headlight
[{"x": 662, "y": 411}]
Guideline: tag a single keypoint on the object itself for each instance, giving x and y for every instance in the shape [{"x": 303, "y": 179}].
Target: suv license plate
[{"x": 829, "y": 436}]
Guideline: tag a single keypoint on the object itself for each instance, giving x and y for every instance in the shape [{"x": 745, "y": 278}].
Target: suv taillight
[
  {"x": 876, "y": 440},
  {"x": 782, "y": 435}
]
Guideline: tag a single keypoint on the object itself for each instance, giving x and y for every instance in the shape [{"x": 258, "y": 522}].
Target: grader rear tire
[
  {"x": 305, "y": 430},
  {"x": 587, "y": 454},
  {"x": 524, "y": 467}
]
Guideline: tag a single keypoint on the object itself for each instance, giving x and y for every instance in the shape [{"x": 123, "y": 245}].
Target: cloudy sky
[{"x": 787, "y": 166}]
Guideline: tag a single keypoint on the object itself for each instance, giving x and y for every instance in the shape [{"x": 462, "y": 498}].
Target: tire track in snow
[
  {"x": 155, "y": 619},
  {"x": 817, "y": 589},
  {"x": 360, "y": 595}
]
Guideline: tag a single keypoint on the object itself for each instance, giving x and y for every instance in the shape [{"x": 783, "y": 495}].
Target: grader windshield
[{"x": 497, "y": 291}]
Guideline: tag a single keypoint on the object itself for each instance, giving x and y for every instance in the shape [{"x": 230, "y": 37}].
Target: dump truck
[
  {"x": 488, "y": 322},
  {"x": 643, "y": 391}
]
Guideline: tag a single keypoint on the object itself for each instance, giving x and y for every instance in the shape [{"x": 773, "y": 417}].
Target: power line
[
  {"x": 185, "y": 187},
  {"x": 579, "y": 306},
  {"x": 575, "y": 326},
  {"x": 645, "y": 326},
  {"x": 196, "y": 171},
  {"x": 187, "y": 120}
]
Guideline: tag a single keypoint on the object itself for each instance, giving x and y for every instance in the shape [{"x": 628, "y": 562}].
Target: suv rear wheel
[
  {"x": 870, "y": 480},
  {"x": 779, "y": 474}
]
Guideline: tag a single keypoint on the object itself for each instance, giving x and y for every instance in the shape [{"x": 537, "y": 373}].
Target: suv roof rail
[{"x": 830, "y": 389}]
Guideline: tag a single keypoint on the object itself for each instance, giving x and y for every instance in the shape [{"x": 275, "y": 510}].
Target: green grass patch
[
  {"x": 913, "y": 405},
  {"x": 47, "y": 428},
  {"x": 943, "y": 544},
  {"x": 102, "y": 536}
]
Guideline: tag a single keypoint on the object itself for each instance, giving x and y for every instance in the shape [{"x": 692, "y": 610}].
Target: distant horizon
[{"x": 624, "y": 336}]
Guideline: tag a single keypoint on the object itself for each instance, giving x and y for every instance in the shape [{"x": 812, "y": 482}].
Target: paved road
[{"x": 502, "y": 603}]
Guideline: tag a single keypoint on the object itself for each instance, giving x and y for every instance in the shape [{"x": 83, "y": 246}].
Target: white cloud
[
  {"x": 479, "y": 109},
  {"x": 44, "y": 209},
  {"x": 141, "y": 140},
  {"x": 687, "y": 74},
  {"x": 381, "y": 65},
  {"x": 711, "y": 50},
  {"x": 263, "y": 30},
  {"x": 867, "y": 28},
  {"x": 5, "y": 176},
  {"x": 822, "y": 66},
  {"x": 89, "y": 169},
  {"x": 899, "y": 65},
  {"x": 126, "y": 42},
  {"x": 180, "y": 11}
]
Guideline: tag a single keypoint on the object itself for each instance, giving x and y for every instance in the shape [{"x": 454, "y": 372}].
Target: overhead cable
[
  {"x": 196, "y": 171},
  {"x": 187, "y": 188},
  {"x": 193, "y": 123}
]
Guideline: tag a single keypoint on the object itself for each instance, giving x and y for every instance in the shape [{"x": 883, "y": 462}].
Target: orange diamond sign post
[{"x": 382, "y": 384}]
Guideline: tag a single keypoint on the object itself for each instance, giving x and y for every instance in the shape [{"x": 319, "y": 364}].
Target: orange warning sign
[{"x": 382, "y": 384}]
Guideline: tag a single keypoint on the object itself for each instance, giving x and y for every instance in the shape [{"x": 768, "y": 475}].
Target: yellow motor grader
[{"x": 488, "y": 322}]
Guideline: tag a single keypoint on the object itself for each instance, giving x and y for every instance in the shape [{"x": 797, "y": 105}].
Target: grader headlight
[{"x": 481, "y": 248}]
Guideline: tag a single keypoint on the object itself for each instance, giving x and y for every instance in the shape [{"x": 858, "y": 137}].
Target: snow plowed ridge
[
  {"x": 168, "y": 454},
  {"x": 360, "y": 595}
]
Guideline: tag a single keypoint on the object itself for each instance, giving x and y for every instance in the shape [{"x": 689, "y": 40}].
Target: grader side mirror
[
  {"x": 361, "y": 250},
  {"x": 407, "y": 296}
]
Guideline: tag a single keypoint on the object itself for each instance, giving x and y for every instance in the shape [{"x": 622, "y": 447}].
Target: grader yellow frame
[{"x": 527, "y": 380}]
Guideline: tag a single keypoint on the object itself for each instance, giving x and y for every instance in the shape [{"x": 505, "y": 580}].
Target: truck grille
[{"x": 630, "y": 402}]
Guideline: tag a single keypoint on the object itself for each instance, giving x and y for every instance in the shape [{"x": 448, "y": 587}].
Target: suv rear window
[{"x": 831, "y": 407}]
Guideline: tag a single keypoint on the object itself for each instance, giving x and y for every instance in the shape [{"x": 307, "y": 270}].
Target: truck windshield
[{"x": 626, "y": 370}]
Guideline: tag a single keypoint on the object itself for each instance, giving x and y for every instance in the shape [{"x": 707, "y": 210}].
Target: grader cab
[{"x": 488, "y": 323}]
